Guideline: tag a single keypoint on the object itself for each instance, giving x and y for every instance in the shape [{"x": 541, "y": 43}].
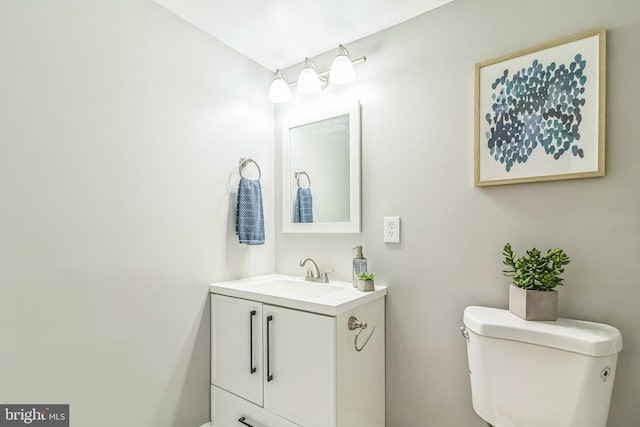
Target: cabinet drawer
[{"x": 227, "y": 409}]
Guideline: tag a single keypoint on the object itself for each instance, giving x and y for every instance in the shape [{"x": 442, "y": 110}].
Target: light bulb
[
  {"x": 308, "y": 80},
  {"x": 342, "y": 69},
  {"x": 279, "y": 92}
]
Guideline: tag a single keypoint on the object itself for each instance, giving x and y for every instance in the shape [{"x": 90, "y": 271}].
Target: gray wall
[
  {"x": 120, "y": 128},
  {"x": 417, "y": 135}
]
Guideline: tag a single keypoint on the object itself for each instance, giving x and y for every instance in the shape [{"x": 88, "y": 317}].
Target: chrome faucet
[{"x": 313, "y": 272}]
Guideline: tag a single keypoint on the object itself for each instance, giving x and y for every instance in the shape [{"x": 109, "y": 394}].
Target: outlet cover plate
[{"x": 392, "y": 229}]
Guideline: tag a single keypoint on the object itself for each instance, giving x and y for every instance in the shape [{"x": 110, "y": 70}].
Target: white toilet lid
[{"x": 578, "y": 336}]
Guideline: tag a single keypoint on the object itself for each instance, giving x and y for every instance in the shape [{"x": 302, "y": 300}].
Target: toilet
[{"x": 539, "y": 374}]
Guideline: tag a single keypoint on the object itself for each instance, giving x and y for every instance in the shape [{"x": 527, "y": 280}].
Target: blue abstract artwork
[
  {"x": 538, "y": 107},
  {"x": 539, "y": 112}
]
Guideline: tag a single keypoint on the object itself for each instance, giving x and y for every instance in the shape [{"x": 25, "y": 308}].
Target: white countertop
[{"x": 330, "y": 299}]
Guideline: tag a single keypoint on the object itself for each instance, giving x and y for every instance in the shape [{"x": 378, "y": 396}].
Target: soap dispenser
[{"x": 359, "y": 265}]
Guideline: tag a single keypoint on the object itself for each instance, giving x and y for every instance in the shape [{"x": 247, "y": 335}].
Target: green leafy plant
[
  {"x": 365, "y": 275},
  {"x": 535, "y": 271}
]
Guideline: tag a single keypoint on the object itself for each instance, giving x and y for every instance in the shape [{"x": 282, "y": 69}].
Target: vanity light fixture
[{"x": 310, "y": 81}]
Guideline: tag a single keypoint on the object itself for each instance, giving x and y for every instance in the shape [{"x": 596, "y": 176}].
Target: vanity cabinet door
[
  {"x": 299, "y": 366},
  {"x": 236, "y": 342}
]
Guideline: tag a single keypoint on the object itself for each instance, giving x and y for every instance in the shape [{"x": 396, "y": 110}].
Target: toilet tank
[{"x": 540, "y": 374}]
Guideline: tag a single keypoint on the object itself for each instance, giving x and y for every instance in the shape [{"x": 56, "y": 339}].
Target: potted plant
[
  {"x": 365, "y": 281},
  {"x": 533, "y": 277}
]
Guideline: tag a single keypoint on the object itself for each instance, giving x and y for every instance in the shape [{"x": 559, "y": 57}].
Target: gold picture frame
[{"x": 540, "y": 112}]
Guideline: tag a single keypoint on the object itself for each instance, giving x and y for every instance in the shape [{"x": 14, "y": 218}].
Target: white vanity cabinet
[
  {"x": 285, "y": 366},
  {"x": 274, "y": 357}
]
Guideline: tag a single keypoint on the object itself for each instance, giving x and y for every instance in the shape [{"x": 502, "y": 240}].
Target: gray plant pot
[
  {"x": 533, "y": 305},
  {"x": 366, "y": 285}
]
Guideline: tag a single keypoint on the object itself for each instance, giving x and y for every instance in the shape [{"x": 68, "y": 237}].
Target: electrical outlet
[{"x": 392, "y": 229}]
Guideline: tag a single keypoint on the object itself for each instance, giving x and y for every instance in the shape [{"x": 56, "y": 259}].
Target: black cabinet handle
[
  {"x": 252, "y": 369},
  {"x": 269, "y": 375},
  {"x": 242, "y": 420}
]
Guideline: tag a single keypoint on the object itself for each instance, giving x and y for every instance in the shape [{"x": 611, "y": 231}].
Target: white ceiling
[{"x": 280, "y": 33}]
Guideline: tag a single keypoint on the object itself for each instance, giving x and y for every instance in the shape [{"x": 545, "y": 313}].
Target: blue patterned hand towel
[
  {"x": 249, "y": 212},
  {"x": 303, "y": 209}
]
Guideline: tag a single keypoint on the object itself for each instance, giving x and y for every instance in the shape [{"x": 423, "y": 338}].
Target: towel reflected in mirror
[{"x": 303, "y": 206}]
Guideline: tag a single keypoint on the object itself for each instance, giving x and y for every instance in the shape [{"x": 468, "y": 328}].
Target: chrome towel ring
[
  {"x": 355, "y": 325},
  {"x": 243, "y": 163},
  {"x": 297, "y": 173}
]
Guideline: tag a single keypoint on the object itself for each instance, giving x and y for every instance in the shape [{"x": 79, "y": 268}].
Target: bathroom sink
[
  {"x": 294, "y": 292},
  {"x": 297, "y": 288}
]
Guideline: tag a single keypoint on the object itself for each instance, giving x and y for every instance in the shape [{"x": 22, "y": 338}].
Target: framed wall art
[{"x": 539, "y": 113}]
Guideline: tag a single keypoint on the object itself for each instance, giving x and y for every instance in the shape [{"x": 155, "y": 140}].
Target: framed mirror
[{"x": 321, "y": 171}]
